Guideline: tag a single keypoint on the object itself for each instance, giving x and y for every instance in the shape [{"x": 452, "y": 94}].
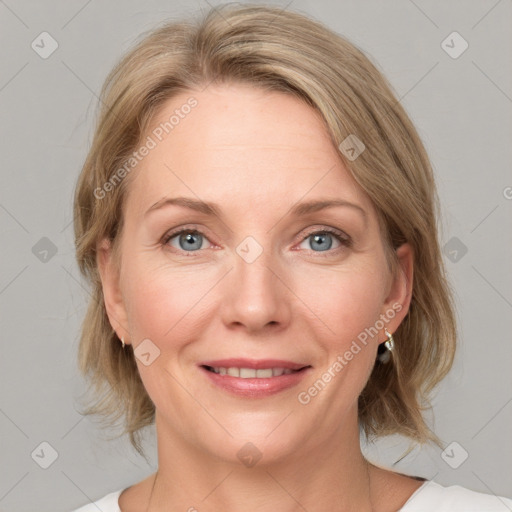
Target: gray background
[{"x": 462, "y": 108}]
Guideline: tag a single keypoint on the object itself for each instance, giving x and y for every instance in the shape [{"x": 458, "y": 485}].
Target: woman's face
[{"x": 257, "y": 277}]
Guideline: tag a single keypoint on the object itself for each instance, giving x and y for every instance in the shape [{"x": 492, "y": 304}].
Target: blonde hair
[{"x": 288, "y": 52}]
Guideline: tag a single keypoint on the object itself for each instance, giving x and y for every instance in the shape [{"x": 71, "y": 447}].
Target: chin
[
  {"x": 256, "y": 439},
  {"x": 255, "y": 451}
]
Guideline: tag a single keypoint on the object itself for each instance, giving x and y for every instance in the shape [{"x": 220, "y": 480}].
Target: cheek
[
  {"x": 349, "y": 303},
  {"x": 346, "y": 301},
  {"x": 161, "y": 300},
  {"x": 167, "y": 306}
]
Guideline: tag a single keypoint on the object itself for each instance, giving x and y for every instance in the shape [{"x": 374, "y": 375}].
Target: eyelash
[{"x": 345, "y": 240}]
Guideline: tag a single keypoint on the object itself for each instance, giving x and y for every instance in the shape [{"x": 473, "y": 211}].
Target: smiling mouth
[{"x": 252, "y": 373}]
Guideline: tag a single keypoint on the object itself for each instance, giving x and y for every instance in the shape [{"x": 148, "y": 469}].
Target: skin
[{"x": 256, "y": 154}]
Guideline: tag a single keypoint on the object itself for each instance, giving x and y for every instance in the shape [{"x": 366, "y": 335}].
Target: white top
[{"x": 430, "y": 497}]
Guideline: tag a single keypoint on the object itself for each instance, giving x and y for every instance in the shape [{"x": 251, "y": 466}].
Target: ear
[
  {"x": 112, "y": 296},
  {"x": 396, "y": 305}
]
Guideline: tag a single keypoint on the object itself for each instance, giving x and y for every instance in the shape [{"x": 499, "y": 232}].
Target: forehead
[{"x": 240, "y": 143}]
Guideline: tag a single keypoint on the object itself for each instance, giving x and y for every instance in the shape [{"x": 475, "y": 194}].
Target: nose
[{"x": 255, "y": 298}]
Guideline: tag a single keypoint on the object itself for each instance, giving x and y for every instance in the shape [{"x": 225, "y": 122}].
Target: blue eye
[
  {"x": 321, "y": 241},
  {"x": 187, "y": 240}
]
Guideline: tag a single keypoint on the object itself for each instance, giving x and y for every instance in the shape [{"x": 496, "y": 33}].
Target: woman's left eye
[{"x": 320, "y": 241}]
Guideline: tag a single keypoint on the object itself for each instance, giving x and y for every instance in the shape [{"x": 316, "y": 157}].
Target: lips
[
  {"x": 250, "y": 373},
  {"x": 254, "y": 378},
  {"x": 256, "y": 364}
]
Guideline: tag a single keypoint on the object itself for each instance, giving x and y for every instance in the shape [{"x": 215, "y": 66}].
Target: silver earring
[
  {"x": 122, "y": 341},
  {"x": 385, "y": 349}
]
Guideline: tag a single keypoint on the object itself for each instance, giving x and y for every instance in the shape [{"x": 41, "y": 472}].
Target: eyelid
[
  {"x": 344, "y": 240},
  {"x": 343, "y": 237},
  {"x": 187, "y": 228}
]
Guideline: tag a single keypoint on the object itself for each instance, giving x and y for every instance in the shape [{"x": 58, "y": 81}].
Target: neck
[{"x": 332, "y": 476}]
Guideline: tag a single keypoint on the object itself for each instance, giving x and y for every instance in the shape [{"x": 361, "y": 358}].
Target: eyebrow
[{"x": 213, "y": 209}]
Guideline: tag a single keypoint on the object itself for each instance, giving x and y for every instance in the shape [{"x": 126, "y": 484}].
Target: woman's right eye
[{"x": 186, "y": 240}]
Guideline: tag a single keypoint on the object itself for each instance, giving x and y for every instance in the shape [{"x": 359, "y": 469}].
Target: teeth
[
  {"x": 264, "y": 374},
  {"x": 247, "y": 373},
  {"x": 251, "y": 373},
  {"x": 277, "y": 371},
  {"x": 234, "y": 372}
]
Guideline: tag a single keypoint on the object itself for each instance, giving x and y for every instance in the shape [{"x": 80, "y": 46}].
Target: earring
[
  {"x": 122, "y": 341},
  {"x": 385, "y": 349}
]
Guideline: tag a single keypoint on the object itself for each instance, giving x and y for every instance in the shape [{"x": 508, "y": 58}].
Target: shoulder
[
  {"x": 433, "y": 496},
  {"x": 109, "y": 503}
]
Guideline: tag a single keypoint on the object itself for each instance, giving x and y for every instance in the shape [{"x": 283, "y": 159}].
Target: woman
[{"x": 257, "y": 215}]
